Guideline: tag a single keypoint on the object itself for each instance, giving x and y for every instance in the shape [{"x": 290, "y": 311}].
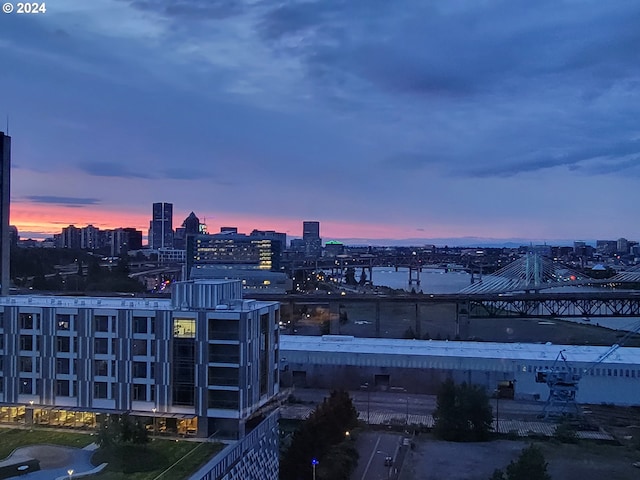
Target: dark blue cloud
[{"x": 66, "y": 201}]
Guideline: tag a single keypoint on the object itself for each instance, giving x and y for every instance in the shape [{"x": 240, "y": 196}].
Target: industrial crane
[{"x": 563, "y": 381}]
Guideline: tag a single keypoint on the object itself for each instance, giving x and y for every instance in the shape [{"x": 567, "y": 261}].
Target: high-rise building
[
  {"x": 161, "y": 226},
  {"x": 190, "y": 226},
  {"x": 90, "y": 238},
  {"x": 70, "y": 237},
  {"x": 623, "y": 246},
  {"x": 311, "y": 238},
  {"x": 5, "y": 182}
]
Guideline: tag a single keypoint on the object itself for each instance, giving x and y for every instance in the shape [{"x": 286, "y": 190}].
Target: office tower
[
  {"x": 311, "y": 238},
  {"x": 190, "y": 226},
  {"x": 161, "y": 226},
  {"x": 5, "y": 181}
]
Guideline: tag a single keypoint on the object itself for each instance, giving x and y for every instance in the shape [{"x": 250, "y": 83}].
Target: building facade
[
  {"x": 252, "y": 252},
  {"x": 5, "y": 197},
  {"x": 161, "y": 226},
  {"x": 201, "y": 363},
  {"x": 311, "y": 238},
  {"x": 420, "y": 366}
]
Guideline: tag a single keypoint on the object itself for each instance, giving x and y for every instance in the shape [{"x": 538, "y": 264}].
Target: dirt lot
[{"x": 437, "y": 460}]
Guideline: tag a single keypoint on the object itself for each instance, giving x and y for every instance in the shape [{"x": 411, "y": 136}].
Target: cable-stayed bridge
[{"x": 534, "y": 272}]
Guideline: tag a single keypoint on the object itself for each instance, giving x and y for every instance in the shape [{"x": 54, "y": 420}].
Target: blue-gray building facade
[{"x": 201, "y": 363}]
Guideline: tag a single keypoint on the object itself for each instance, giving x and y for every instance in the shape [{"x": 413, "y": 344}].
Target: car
[{"x": 388, "y": 461}]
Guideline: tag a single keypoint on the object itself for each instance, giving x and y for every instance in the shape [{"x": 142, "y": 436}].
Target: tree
[
  {"x": 497, "y": 475},
  {"x": 318, "y": 437},
  {"x": 530, "y": 465},
  {"x": 463, "y": 413}
]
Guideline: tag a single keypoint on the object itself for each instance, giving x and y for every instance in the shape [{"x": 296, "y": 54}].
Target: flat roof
[
  {"x": 86, "y": 302},
  {"x": 336, "y": 344}
]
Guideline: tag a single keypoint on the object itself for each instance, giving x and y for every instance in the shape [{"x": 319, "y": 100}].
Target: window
[
  {"x": 184, "y": 328},
  {"x": 100, "y": 368},
  {"x": 62, "y": 366},
  {"x": 101, "y": 323},
  {"x": 101, "y": 345},
  {"x": 26, "y": 342},
  {"x": 26, "y": 386},
  {"x": 63, "y": 322},
  {"x": 62, "y": 388},
  {"x": 139, "y": 392},
  {"x": 28, "y": 321},
  {"x": 139, "y": 324},
  {"x": 64, "y": 344},
  {"x": 26, "y": 364},
  {"x": 139, "y": 370},
  {"x": 100, "y": 390},
  {"x": 224, "y": 353},
  {"x": 1, "y": 341},
  {"x": 223, "y": 329},
  {"x": 139, "y": 347},
  {"x": 223, "y": 399}
]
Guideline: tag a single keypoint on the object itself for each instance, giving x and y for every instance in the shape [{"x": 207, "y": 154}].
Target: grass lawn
[
  {"x": 10, "y": 439},
  {"x": 147, "y": 462}
]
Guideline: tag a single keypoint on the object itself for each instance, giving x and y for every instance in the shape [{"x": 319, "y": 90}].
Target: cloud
[
  {"x": 111, "y": 169},
  {"x": 65, "y": 201},
  {"x": 192, "y": 9}
]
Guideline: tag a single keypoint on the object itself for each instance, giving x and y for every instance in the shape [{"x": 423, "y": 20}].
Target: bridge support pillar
[{"x": 462, "y": 320}]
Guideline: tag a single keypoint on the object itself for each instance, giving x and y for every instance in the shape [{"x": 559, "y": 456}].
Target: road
[{"x": 373, "y": 448}]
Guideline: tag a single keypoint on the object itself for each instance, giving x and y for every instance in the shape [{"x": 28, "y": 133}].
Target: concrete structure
[
  {"x": 421, "y": 365},
  {"x": 5, "y": 198},
  {"x": 161, "y": 226},
  {"x": 205, "y": 361}
]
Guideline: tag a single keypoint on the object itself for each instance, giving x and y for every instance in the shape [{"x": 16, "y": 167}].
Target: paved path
[{"x": 55, "y": 461}]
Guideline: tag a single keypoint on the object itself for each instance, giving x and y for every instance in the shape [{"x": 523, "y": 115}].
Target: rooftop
[{"x": 436, "y": 348}]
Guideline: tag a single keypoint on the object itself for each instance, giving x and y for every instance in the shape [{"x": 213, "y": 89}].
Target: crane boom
[{"x": 563, "y": 380}]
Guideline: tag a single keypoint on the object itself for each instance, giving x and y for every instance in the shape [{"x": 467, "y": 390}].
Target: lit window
[{"x": 184, "y": 328}]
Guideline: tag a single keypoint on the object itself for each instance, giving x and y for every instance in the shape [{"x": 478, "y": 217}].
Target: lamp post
[
  {"x": 31, "y": 414},
  {"x": 314, "y": 462},
  {"x": 70, "y": 472},
  {"x": 154, "y": 420},
  {"x": 497, "y": 391}
]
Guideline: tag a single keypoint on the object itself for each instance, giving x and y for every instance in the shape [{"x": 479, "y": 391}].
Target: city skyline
[{"x": 501, "y": 120}]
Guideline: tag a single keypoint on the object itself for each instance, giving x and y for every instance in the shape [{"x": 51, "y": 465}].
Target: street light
[
  {"x": 314, "y": 462},
  {"x": 70, "y": 472},
  {"x": 497, "y": 392},
  {"x": 154, "y": 420},
  {"x": 31, "y": 414}
]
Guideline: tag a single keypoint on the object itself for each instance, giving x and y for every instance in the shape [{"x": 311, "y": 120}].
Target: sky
[{"x": 408, "y": 119}]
